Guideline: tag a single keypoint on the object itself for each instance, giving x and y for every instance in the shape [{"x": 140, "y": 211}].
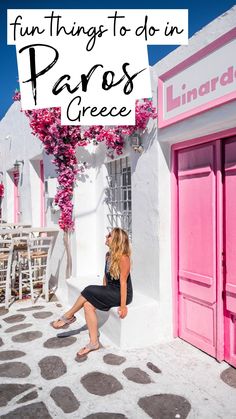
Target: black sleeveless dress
[{"x": 104, "y": 297}]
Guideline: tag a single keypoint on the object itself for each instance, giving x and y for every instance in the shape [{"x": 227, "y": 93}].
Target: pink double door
[{"x": 206, "y": 247}]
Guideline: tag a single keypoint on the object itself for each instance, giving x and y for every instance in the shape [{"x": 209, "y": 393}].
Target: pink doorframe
[
  {"x": 42, "y": 194},
  {"x": 219, "y": 231}
]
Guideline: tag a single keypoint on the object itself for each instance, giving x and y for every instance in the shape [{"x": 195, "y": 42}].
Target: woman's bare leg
[
  {"x": 92, "y": 323},
  {"x": 70, "y": 313},
  {"x": 76, "y": 307}
]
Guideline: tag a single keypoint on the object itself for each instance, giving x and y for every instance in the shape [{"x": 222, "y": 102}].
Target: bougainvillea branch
[
  {"x": 1, "y": 190},
  {"x": 62, "y": 141}
]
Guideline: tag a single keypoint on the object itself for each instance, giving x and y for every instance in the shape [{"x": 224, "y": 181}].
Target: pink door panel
[
  {"x": 230, "y": 250},
  {"x": 197, "y": 246}
]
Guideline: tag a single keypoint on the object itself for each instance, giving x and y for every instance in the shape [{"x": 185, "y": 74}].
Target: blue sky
[{"x": 198, "y": 17}]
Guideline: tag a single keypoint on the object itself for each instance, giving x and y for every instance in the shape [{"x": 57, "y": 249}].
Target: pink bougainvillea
[
  {"x": 113, "y": 137},
  {"x": 16, "y": 95},
  {"x": 1, "y": 190},
  {"x": 62, "y": 142}
]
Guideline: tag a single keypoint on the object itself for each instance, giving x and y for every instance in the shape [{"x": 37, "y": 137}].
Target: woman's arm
[
  {"x": 104, "y": 280},
  {"x": 124, "y": 272}
]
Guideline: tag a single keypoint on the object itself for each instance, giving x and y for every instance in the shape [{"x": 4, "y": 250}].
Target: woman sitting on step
[{"x": 116, "y": 290}]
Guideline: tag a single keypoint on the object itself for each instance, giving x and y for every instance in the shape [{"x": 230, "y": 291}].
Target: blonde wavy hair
[{"x": 119, "y": 246}]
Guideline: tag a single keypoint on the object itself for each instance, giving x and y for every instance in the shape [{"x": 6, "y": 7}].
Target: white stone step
[{"x": 131, "y": 332}]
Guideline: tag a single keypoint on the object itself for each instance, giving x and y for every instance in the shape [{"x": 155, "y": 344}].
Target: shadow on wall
[
  {"x": 53, "y": 281},
  {"x": 166, "y": 150},
  {"x": 150, "y": 137},
  {"x": 147, "y": 142},
  {"x": 53, "y": 211},
  {"x": 58, "y": 264},
  {"x": 84, "y": 156}
]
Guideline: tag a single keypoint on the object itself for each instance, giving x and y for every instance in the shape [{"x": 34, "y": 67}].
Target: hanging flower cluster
[
  {"x": 1, "y": 190},
  {"x": 62, "y": 142},
  {"x": 113, "y": 137},
  {"x": 16, "y": 96}
]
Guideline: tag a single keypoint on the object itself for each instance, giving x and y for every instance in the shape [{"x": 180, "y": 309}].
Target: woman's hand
[{"x": 123, "y": 311}]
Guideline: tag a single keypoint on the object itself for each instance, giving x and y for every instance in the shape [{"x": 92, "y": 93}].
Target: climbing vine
[{"x": 62, "y": 141}]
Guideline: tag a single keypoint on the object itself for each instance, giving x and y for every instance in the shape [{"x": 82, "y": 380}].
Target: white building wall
[
  {"x": 150, "y": 315},
  {"x": 34, "y": 187},
  {"x": 151, "y": 203},
  {"x": 85, "y": 255},
  {"x": 145, "y": 218},
  {"x": 208, "y": 122},
  {"x": 8, "y": 199},
  {"x": 17, "y": 143},
  {"x": 101, "y": 208},
  {"x": 88, "y": 248}
]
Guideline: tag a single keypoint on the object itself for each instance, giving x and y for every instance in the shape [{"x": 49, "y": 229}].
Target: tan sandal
[
  {"x": 89, "y": 348},
  {"x": 66, "y": 321}
]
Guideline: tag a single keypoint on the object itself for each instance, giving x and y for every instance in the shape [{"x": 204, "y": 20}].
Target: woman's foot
[
  {"x": 63, "y": 322},
  {"x": 88, "y": 348}
]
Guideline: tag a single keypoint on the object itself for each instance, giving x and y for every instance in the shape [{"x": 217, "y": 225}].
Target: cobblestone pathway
[{"x": 40, "y": 377}]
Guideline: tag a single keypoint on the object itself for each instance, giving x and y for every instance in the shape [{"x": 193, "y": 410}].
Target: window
[{"x": 119, "y": 195}]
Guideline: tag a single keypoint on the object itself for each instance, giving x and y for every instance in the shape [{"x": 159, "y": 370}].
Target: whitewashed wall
[
  {"x": 151, "y": 199},
  {"x": 151, "y": 203},
  {"x": 17, "y": 143},
  {"x": 212, "y": 121}
]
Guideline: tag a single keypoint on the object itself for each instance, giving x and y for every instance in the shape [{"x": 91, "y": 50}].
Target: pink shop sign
[{"x": 203, "y": 81}]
